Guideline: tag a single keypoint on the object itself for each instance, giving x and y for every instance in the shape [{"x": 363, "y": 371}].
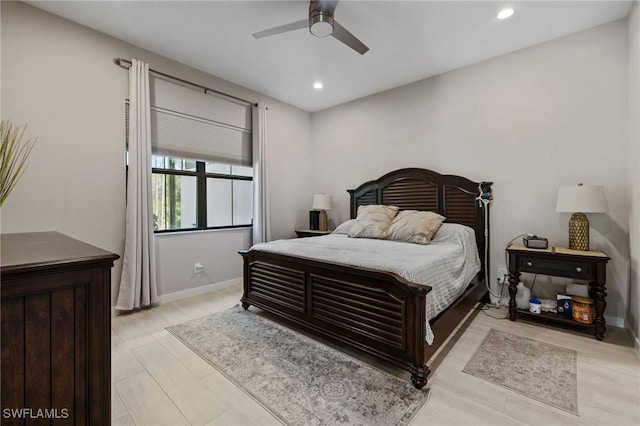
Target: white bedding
[{"x": 447, "y": 264}]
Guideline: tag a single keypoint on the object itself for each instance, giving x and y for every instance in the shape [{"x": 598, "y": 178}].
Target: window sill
[{"x": 201, "y": 231}]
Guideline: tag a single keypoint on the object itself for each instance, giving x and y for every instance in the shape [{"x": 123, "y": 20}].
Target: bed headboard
[{"x": 454, "y": 197}]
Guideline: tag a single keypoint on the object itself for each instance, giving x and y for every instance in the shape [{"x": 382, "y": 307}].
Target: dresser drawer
[{"x": 570, "y": 269}]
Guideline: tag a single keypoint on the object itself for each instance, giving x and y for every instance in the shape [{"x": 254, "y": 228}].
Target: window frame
[{"x": 201, "y": 176}]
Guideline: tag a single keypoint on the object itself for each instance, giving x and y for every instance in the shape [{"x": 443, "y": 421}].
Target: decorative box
[{"x": 565, "y": 305}]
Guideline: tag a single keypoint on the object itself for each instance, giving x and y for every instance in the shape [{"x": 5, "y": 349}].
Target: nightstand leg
[
  {"x": 599, "y": 294},
  {"x": 514, "y": 277}
]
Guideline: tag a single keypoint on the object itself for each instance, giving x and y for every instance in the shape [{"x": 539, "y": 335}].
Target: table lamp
[
  {"x": 322, "y": 202},
  {"x": 580, "y": 199}
]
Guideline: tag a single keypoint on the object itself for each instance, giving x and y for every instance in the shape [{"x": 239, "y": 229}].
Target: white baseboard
[
  {"x": 177, "y": 295},
  {"x": 614, "y": 321},
  {"x": 636, "y": 342},
  {"x": 170, "y": 297}
]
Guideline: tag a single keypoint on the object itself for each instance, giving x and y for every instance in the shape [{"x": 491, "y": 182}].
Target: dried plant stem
[{"x": 13, "y": 156}]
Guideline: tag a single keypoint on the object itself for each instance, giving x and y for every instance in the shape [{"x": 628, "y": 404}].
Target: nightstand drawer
[{"x": 569, "y": 269}]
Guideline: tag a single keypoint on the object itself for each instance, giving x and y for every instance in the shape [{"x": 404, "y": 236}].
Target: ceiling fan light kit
[{"x": 321, "y": 23}]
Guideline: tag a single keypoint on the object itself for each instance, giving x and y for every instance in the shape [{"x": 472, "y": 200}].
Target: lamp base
[
  {"x": 579, "y": 232},
  {"x": 324, "y": 224}
]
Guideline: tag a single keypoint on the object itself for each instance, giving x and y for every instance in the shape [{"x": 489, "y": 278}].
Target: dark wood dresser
[{"x": 56, "y": 330}]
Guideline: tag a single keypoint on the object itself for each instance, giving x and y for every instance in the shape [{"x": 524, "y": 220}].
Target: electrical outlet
[
  {"x": 197, "y": 267},
  {"x": 502, "y": 275}
]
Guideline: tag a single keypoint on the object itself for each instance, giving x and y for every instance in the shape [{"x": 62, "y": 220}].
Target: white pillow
[
  {"x": 373, "y": 221},
  {"x": 413, "y": 226},
  {"x": 345, "y": 227},
  {"x": 452, "y": 232}
]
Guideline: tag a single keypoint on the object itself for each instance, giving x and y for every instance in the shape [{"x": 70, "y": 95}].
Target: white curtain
[
  {"x": 138, "y": 281},
  {"x": 261, "y": 220}
]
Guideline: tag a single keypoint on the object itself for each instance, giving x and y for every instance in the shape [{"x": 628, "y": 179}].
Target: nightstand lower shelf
[{"x": 555, "y": 320}]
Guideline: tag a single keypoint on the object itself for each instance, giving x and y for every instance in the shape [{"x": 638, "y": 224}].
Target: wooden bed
[{"x": 377, "y": 312}]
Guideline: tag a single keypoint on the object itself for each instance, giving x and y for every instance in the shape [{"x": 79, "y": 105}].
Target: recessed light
[
  {"x": 317, "y": 85},
  {"x": 505, "y": 13}
]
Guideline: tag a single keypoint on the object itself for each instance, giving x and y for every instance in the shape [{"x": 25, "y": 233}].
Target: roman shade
[{"x": 187, "y": 123}]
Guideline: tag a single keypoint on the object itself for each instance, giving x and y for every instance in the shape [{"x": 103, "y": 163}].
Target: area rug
[
  {"x": 547, "y": 373},
  {"x": 299, "y": 380}
]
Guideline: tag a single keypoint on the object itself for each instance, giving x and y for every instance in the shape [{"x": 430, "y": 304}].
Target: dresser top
[{"x": 37, "y": 250}]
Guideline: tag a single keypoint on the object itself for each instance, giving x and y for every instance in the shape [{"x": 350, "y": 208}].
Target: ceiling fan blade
[
  {"x": 298, "y": 25},
  {"x": 349, "y": 39}
]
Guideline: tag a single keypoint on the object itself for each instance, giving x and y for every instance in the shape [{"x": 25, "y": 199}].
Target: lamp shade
[
  {"x": 322, "y": 202},
  {"x": 581, "y": 198}
]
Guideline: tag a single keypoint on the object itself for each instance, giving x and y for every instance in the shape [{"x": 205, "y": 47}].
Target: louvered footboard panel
[
  {"x": 371, "y": 313},
  {"x": 276, "y": 284}
]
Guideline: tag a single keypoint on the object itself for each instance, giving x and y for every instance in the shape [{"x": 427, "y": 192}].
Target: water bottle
[{"x": 522, "y": 296}]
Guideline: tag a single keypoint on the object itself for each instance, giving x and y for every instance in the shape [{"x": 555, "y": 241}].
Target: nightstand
[
  {"x": 560, "y": 262},
  {"x": 302, "y": 233}
]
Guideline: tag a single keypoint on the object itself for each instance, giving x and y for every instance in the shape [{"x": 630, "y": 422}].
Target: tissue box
[
  {"x": 577, "y": 290},
  {"x": 564, "y": 305}
]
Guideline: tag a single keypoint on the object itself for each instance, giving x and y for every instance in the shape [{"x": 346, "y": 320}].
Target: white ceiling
[{"x": 409, "y": 40}]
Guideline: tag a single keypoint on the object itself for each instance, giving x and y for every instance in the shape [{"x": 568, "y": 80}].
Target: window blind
[{"x": 182, "y": 135}]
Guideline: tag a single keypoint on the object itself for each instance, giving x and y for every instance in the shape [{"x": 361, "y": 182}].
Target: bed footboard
[{"x": 374, "y": 311}]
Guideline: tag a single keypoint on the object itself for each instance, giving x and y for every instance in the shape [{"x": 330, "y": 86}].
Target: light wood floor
[{"x": 156, "y": 380}]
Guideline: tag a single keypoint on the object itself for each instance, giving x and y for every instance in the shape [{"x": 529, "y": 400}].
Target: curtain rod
[{"x": 119, "y": 62}]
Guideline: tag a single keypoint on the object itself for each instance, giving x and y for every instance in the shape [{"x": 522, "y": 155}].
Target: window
[
  {"x": 191, "y": 195},
  {"x": 201, "y": 159}
]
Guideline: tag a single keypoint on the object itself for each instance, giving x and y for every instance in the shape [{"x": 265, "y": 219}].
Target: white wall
[
  {"x": 530, "y": 121},
  {"x": 561, "y": 104},
  {"x": 633, "y": 78},
  {"x": 58, "y": 77}
]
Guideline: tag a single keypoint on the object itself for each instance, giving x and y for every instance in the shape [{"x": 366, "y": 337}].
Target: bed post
[
  {"x": 485, "y": 198},
  {"x": 245, "y": 274},
  {"x": 419, "y": 375},
  {"x": 416, "y": 315}
]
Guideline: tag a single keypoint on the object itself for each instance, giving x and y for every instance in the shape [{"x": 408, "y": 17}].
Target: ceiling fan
[{"x": 321, "y": 24}]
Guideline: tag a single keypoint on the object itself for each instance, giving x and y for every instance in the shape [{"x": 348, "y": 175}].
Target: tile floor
[{"x": 156, "y": 380}]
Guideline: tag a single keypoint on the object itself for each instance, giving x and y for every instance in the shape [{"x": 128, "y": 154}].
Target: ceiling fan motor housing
[{"x": 320, "y": 23}]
